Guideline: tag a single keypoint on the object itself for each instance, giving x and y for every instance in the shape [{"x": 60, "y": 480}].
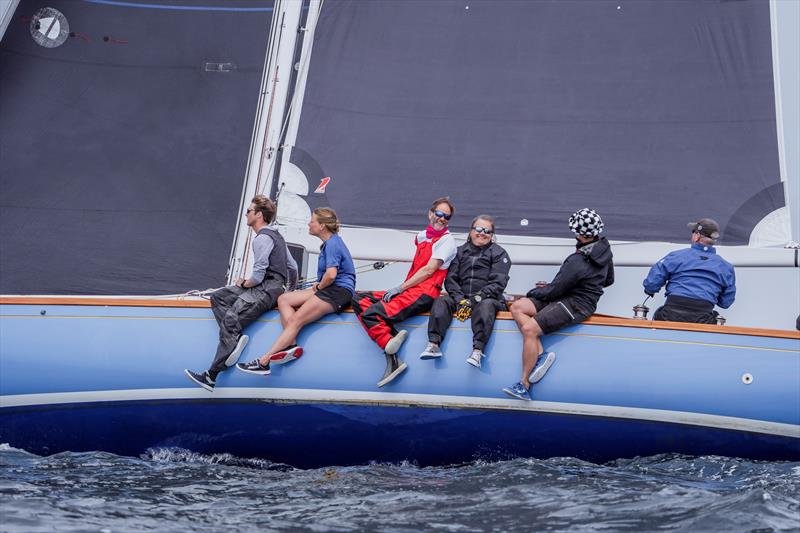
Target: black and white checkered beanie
[{"x": 586, "y": 223}]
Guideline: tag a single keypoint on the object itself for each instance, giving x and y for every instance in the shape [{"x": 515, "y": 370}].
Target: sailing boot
[
  {"x": 393, "y": 346},
  {"x": 394, "y": 367}
]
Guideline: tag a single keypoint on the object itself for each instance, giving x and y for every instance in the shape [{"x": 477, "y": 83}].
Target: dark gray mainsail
[
  {"x": 123, "y": 149},
  {"x": 652, "y": 112}
]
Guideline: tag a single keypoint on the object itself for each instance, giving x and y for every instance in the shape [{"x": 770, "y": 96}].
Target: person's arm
[
  {"x": 657, "y": 277},
  {"x": 452, "y": 283},
  {"x": 728, "y": 294},
  {"x": 327, "y": 278},
  {"x": 422, "y": 274},
  {"x": 567, "y": 277},
  {"x": 498, "y": 277},
  {"x": 262, "y": 247},
  {"x": 333, "y": 258},
  {"x": 610, "y": 276}
]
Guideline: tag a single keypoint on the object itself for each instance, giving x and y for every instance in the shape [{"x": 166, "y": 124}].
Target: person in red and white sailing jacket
[{"x": 380, "y": 311}]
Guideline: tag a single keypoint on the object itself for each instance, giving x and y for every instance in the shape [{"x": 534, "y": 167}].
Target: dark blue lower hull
[{"x": 317, "y": 434}]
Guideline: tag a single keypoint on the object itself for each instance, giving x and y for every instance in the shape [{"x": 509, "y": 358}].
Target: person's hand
[
  {"x": 391, "y": 293},
  {"x": 239, "y": 282}
]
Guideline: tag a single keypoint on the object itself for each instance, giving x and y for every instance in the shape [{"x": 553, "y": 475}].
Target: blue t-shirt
[{"x": 334, "y": 253}]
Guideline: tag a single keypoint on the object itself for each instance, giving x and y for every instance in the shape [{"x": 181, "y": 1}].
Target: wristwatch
[{"x": 477, "y": 298}]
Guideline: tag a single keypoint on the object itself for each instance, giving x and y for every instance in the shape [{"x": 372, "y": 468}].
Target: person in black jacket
[
  {"x": 569, "y": 299},
  {"x": 476, "y": 279}
]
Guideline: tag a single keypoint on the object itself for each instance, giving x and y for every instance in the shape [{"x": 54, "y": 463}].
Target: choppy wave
[{"x": 178, "y": 490}]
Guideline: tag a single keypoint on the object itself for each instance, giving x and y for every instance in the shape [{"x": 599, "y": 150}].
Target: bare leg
[
  {"x": 524, "y": 312},
  {"x": 312, "y": 310},
  {"x": 289, "y": 302},
  {"x": 531, "y": 349}
]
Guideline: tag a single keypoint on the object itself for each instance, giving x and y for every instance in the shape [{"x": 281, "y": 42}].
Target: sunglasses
[
  {"x": 251, "y": 211},
  {"x": 442, "y": 214},
  {"x": 486, "y": 231}
]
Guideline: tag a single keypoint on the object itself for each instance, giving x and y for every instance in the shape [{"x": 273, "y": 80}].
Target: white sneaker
[
  {"x": 539, "y": 371},
  {"x": 431, "y": 351},
  {"x": 475, "y": 358},
  {"x": 234, "y": 356},
  {"x": 393, "y": 346}
]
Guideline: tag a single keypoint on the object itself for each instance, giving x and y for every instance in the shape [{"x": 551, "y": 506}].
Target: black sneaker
[
  {"x": 204, "y": 379},
  {"x": 394, "y": 367},
  {"x": 255, "y": 367}
]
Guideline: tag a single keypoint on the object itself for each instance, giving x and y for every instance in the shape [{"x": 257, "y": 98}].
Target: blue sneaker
[
  {"x": 545, "y": 361},
  {"x": 518, "y": 390}
]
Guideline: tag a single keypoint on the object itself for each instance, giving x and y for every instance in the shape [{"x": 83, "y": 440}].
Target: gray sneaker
[
  {"x": 540, "y": 370},
  {"x": 393, "y": 346},
  {"x": 234, "y": 356},
  {"x": 475, "y": 358},
  {"x": 431, "y": 351},
  {"x": 394, "y": 367}
]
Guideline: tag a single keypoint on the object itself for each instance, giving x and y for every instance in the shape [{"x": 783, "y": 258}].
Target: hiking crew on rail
[
  {"x": 380, "y": 311},
  {"x": 474, "y": 275},
  {"x": 332, "y": 292},
  {"x": 238, "y": 305},
  {"x": 475, "y": 283}
]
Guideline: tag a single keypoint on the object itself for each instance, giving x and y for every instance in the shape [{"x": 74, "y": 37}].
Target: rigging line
[
  {"x": 363, "y": 269},
  {"x": 118, "y": 3},
  {"x": 273, "y": 55}
]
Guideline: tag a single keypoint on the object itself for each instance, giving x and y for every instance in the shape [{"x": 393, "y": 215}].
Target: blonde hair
[{"x": 327, "y": 217}]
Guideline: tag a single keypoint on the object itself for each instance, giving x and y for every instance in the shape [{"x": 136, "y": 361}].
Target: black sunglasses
[
  {"x": 487, "y": 231},
  {"x": 442, "y": 214}
]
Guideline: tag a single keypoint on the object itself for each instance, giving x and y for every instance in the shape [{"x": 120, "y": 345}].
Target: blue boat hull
[
  {"x": 111, "y": 378},
  {"x": 315, "y": 435}
]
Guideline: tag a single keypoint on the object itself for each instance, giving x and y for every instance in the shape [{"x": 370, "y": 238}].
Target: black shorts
[
  {"x": 552, "y": 316},
  {"x": 337, "y": 296}
]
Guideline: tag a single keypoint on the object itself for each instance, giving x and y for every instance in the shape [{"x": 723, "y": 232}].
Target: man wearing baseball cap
[{"x": 696, "y": 278}]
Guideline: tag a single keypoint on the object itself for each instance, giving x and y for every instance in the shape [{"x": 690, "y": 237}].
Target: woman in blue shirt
[{"x": 336, "y": 283}]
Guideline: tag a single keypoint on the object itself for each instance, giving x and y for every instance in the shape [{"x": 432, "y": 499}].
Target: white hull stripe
[{"x": 405, "y": 400}]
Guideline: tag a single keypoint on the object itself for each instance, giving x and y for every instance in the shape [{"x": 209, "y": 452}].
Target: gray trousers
[{"x": 236, "y": 308}]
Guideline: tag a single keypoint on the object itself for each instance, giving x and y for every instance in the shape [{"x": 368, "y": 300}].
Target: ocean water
[{"x": 176, "y": 490}]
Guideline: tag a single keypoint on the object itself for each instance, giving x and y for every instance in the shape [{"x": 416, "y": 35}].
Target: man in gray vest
[{"x": 239, "y": 305}]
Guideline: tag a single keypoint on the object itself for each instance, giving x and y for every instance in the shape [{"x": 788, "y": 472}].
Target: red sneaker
[{"x": 284, "y": 356}]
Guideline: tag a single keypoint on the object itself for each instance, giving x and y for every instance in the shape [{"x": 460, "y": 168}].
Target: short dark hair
[
  {"x": 444, "y": 200},
  {"x": 265, "y": 206}
]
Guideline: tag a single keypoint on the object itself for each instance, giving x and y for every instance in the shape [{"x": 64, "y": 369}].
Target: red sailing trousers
[{"x": 379, "y": 317}]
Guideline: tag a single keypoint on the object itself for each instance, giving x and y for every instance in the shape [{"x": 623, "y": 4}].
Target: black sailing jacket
[
  {"x": 582, "y": 277},
  {"x": 477, "y": 270}
]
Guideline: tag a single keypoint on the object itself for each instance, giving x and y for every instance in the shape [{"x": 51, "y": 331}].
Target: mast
[
  {"x": 268, "y": 125},
  {"x": 784, "y": 17}
]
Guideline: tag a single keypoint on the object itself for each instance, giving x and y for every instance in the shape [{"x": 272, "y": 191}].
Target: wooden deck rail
[{"x": 194, "y": 302}]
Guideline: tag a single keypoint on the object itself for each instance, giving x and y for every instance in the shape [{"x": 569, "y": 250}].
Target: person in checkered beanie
[{"x": 570, "y": 298}]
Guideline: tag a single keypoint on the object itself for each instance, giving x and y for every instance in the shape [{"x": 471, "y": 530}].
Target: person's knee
[
  {"x": 531, "y": 328},
  {"x": 440, "y": 307},
  {"x": 485, "y": 307},
  {"x": 231, "y": 321}
]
